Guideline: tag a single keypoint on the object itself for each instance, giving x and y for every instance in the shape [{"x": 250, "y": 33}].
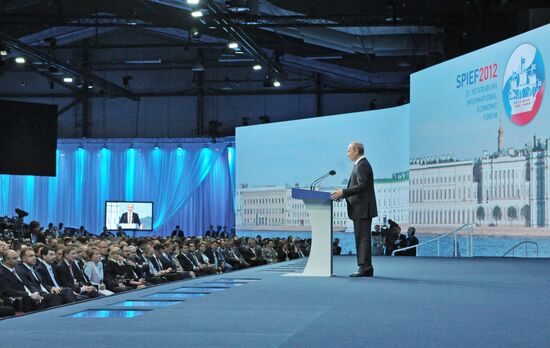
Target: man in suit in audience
[
  {"x": 65, "y": 274},
  {"x": 177, "y": 233},
  {"x": 47, "y": 275},
  {"x": 361, "y": 204},
  {"x": 32, "y": 279},
  {"x": 11, "y": 284}
]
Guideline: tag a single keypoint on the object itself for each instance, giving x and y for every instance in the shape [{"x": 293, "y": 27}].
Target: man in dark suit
[
  {"x": 46, "y": 271},
  {"x": 130, "y": 217},
  {"x": 361, "y": 203},
  {"x": 12, "y": 285},
  {"x": 32, "y": 279},
  {"x": 69, "y": 275}
]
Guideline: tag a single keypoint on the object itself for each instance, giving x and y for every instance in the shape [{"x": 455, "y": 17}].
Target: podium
[{"x": 319, "y": 207}]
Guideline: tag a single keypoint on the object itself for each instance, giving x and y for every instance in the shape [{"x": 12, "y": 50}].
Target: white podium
[{"x": 319, "y": 207}]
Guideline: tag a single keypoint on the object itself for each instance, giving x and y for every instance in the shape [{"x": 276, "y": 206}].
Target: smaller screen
[{"x": 129, "y": 215}]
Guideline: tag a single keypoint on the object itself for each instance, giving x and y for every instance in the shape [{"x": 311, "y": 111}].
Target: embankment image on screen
[
  {"x": 129, "y": 215},
  {"x": 274, "y": 158},
  {"x": 480, "y": 142}
]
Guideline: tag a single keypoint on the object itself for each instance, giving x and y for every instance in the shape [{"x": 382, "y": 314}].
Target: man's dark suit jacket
[
  {"x": 360, "y": 195},
  {"x": 45, "y": 275},
  {"x": 186, "y": 262},
  {"x": 28, "y": 279},
  {"x": 64, "y": 276},
  {"x": 124, "y": 218},
  {"x": 10, "y": 286}
]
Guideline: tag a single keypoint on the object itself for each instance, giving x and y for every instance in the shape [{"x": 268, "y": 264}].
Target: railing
[
  {"x": 513, "y": 249},
  {"x": 470, "y": 231}
]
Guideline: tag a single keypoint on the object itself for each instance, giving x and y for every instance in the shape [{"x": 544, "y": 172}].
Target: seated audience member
[
  {"x": 177, "y": 233},
  {"x": 134, "y": 273},
  {"x": 32, "y": 279},
  {"x": 186, "y": 260},
  {"x": 336, "y": 248},
  {"x": 411, "y": 241},
  {"x": 59, "y": 254},
  {"x": 252, "y": 253},
  {"x": 232, "y": 254},
  {"x": 298, "y": 249},
  {"x": 68, "y": 274},
  {"x": 47, "y": 275},
  {"x": 36, "y": 236},
  {"x": 94, "y": 271},
  {"x": 215, "y": 253},
  {"x": 3, "y": 248},
  {"x": 106, "y": 233},
  {"x": 269, "y": 253},
  {"x": 284, "y": 253},
  {"x": 12, "y": 285},
  {"x": 204, "y": 260},
  {"x": 153, "y": 274}
]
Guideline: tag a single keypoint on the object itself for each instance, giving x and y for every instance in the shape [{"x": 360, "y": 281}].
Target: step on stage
[{"x": 423, "y": 302}]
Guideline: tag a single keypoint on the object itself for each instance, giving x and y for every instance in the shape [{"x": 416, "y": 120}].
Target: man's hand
[
  {"x": 337, "y": 195},
  {"x": 55, "y": 290}
]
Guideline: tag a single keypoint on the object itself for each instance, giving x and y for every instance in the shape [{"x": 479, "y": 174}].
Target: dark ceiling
[{"x": 359, "y": 44}]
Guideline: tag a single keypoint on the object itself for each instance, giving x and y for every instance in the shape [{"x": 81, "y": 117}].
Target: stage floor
[{"x": 411, "y": 302}]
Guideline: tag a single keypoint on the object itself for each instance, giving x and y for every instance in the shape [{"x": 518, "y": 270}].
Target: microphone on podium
[{"x": 313, "y": 184}]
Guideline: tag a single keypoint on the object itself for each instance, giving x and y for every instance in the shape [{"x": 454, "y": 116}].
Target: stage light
[
  {"x": 257, "y": 67},
  {"x": 20, "y": 60},
  {"x": 68, "y": 79},
  {"x": 264, "y": 119},
  {"x": 195, "y": 32},
  {"x": 157, "y": 147},
  {"x": 276, "y": 83},
  {"x": 196, "y": 14},
  {"x": 105, "y": 147},
  {"x": 90, "y": 86},
  {"x": 3, "y": 52},
  {"x": 193, "y": 2},
  {"x": 233, "y": 45}
]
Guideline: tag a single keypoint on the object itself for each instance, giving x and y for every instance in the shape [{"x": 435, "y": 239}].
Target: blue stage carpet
[{"x": 411, "y": 302}]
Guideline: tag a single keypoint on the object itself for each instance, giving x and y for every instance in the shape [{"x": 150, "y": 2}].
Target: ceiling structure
[{"x": 339, "y": 47}]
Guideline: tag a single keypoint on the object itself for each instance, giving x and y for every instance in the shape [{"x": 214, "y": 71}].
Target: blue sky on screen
[{"x": 300, "y": 151}]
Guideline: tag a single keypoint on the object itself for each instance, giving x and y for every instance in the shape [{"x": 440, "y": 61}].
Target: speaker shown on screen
[{"x": 28, "y": 138}]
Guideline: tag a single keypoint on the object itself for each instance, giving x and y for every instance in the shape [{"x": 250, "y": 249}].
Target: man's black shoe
[{"x": 369, "y": 272}]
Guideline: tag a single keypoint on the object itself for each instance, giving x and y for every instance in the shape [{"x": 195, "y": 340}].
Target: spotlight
[
  {"x": 196, "y": 14},
  {"x": 276, "y": 83},
  {"x": 157, "y": 146},
  {"x": 246, "y": 121},
  {"x": 257, "y": 67},
  {"x": 20, "y": 60},
  {"x": 105, "y": 146},
  {"x": 264, "y": 119},
  {"x": 195, "y": 33},
  {"x": 3, "y": 52},
  {"x": 193, "y": 2},
  {"x": 68, "y": 79},
  {"x": 271, "y": 81},
  {"x": 233, "y": 45},
  {"x": 179, "y": 148},
  {"x": 90, "y": 85}
]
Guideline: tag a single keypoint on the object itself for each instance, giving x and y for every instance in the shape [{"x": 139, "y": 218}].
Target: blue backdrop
[{"x": 190, "y": 184}]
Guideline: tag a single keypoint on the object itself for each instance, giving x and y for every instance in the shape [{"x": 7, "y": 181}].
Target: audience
[{"x": 60, "y": 266}]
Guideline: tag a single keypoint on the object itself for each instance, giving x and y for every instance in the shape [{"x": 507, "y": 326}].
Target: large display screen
[
  {"x": 273, "y": 158},
  {"x": 129, "y": 215},
  {"x": 480, "y": 141}
]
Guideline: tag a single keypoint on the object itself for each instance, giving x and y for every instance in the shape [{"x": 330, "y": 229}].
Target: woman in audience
[{"x": 94, "y": 270}]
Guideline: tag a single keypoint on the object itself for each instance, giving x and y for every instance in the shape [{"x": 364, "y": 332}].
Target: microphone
[{"x": 313, "y": 184}]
